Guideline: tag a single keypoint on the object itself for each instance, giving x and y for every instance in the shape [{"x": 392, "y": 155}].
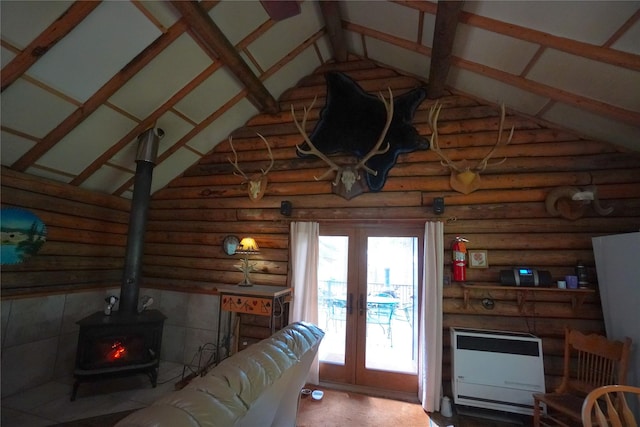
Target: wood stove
[
  {"x": 127, "y": 341},
  {"x": 119, "y": 344}
]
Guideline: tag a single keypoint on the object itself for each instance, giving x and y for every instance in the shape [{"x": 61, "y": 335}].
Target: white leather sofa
[{"x": 257, "y": 387}]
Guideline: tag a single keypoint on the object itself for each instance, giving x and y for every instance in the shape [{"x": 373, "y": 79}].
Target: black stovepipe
[{"x": 130, "y": 287}]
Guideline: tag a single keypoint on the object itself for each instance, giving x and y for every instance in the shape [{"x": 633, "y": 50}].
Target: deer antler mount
[
  {"x": 348, "y": 180},
  {"x": 465, "y": 178},
  {"x": 256, "y": 182}
]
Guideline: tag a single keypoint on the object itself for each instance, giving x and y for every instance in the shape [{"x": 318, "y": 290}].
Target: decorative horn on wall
[
  {"x": 571, "y": 202},
  {"x": 257, "y": 182},
  {"x": 464, "y": 178}
]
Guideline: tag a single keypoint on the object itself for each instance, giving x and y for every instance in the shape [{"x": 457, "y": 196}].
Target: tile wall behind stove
[{"x": 39, "y": 335}]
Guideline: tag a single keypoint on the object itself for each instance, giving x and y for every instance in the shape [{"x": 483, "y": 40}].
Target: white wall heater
[{"x": 496, "y": 369}]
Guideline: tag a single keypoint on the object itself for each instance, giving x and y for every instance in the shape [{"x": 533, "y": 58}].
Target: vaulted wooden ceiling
[{"x": 81, "y": 80}]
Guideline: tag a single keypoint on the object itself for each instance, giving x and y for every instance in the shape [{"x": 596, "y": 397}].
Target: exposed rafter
[
  {"x": 213, "y": 38},
  {"x": 333, "y": 21},
  {"x": 443, "y": 36}
]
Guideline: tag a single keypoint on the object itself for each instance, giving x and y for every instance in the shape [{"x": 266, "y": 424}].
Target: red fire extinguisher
[{"x": 459, "y": 264}]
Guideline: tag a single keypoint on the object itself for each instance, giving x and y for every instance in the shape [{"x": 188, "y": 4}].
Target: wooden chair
[
  {"x": 590, "y": 361},
  {"x": 617, "y": 408}
]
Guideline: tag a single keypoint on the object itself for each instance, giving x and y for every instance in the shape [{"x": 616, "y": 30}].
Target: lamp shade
[{"x": 248, "y": 245}]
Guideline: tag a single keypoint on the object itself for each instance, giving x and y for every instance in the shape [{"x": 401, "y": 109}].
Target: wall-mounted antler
[
  {"x": 347, "y": 181},
  {"x": 257, "y": 182},
  {"x": 464, "y": 178}
]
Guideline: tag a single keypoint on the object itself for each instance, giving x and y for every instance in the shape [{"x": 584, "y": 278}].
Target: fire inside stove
[
  {"x": 118, "y": 351},
  {"x": 115, "y": 351}
]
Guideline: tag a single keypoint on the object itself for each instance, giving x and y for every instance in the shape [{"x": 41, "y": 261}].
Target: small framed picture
[{"x": 478, "y": 259}]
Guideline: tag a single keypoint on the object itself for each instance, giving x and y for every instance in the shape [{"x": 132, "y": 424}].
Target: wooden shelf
[{"x": 576, "y": 296}]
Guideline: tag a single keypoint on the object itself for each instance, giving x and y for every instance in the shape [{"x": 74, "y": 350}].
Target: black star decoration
[{"x": 351, "y": 122}]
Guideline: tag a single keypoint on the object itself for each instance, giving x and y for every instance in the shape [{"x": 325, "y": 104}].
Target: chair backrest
[
  {"x": 592, "y": 361},
  {"x": 613, "y": 398}
]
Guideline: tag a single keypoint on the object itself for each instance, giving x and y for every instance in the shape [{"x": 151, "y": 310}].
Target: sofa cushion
[{"x": 244, "y": 389}]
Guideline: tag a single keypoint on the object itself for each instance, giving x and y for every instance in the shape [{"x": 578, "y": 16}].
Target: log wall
[
  {"x": 506, "y": 217},
  {"x": 189, "y": 219},
  {"x": 86, "y": 237}
]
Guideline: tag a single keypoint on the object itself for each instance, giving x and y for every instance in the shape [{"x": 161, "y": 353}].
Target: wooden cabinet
[{"x": 250, "y": 314}]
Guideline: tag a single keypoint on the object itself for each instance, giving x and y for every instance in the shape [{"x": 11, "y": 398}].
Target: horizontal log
[
  {"x": 84, "y": 236},
  {"x": 219, "y": 278},
  {"x": 61, "y": 263},
  {"x": 82, "y": 249},
  {"x": 215, "y": 265},
  {"x": 532, "y": 309},
  {"x": 43, "y": 186},
  {"x": 187, "y": 250},
  {"x": 46, "y": 279},
  {"x": 550, "y": 327},
  {"x": 27, "y": 199}
]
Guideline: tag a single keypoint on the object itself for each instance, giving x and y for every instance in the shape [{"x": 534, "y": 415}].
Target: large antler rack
[
  {"x": 257, "y": 183},
  {"x": 345, "y": 174},
  {"x": 333, "y": 166},
  {"x": 465, "y": 179}
]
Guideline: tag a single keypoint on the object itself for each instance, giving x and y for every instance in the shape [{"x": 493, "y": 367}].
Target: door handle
[
  {"x": 361, "y": 304},
  {"x": 350, "y": 304}
]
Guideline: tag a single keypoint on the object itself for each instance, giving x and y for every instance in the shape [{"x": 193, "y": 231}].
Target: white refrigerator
[{"x": 618, "y": 267}]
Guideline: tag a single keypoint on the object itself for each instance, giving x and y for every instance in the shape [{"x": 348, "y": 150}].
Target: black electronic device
[
  {"x": 438, "y": 205},
  {"x": 522, "y": 276}
]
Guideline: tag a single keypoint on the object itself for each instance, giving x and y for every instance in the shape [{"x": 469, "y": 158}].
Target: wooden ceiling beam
[
  {"x": 45, "y": 41},
  {"x": 333, "y": 21},
  {"x": 443, "y": 37},
  {"x": 203, "y": 26}
]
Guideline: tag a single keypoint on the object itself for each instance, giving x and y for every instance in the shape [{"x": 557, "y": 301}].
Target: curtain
[
  {"x": 304, "y": 278},
  {"x": 430, "y": 319}
]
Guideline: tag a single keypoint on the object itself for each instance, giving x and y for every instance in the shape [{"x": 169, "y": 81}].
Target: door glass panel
[
  {"x": 332, "y": 297},
  {"x": 392, "y": 277}
]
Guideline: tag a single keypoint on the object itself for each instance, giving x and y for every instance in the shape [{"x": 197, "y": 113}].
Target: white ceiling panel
[
  {"x": 301, "y": 66},
  {"x": 13, "y": 147},
  {"x": 87, "y": 141},
  {"x": 178, "y": 64},
  {"x": 428, "y": 27},
  {"x": 377, "y": 14},
  {"x": 493, "y": 49},
  {"x": 589, "y": 78},
  {"x": 221, "y": 129},
  {"x": 99, "y": 47},
  {"x": 354, "y": 42},
  {"x": 277, "y": 42},
  {"x": 210, "y": 95},
  {"x": 21, "y": 112},
  {"x": 6, "y": 56},
  {"x": 22, "y": 21},
  {"x": 49, "y": 174},
  {"x": 495, "y": 91},
  {"x": 402, "y": 59},
  {"x": 630, "y": 41},
  {"x": 177, "y": 163},
  {"x": 597, "y": 127},
  {"x": 590, "y": 22},
  {"x": 166, "y": 14},
  {"x": 237, "y": 19},
  {"x": 324, "y": 46},
  {"x": 107, "y": 178}
]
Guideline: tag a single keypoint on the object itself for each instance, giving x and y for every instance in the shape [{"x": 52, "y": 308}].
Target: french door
[{"x": 367, "y": 304}]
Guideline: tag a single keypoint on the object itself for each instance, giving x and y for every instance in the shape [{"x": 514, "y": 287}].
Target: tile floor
[{"x": 50, "y": 403}]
